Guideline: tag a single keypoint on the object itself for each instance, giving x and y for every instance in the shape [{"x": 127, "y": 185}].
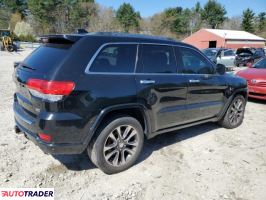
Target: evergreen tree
[
  {"x": 127, "y": 17},
  {"x": 213, "y": 14},
  {"x": 261, "y": 21},
  {"x": 15, "y": 6},
  {"x": 248, "y": 21}
]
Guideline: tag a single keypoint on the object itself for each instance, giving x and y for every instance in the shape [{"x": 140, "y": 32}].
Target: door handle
[
  {"x": 147, "y": 81},
  {"x": 194, "y": 81}
]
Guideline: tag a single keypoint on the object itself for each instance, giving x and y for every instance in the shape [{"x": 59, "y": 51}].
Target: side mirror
[{"x": 220, "y": 69}]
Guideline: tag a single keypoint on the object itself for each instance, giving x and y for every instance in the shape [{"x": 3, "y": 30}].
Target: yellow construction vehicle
[{"x": 6, "y": 42}]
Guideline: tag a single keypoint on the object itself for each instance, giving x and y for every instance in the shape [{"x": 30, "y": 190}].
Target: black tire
[
  {"x": 107, "y": 133},
  {"x": 10, "y": 48},
  {"x": 15, "y": 48},
  {"x": 234, "y": 116}
]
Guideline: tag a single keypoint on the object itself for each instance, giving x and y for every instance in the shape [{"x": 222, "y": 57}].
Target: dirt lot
[{"x": 203, "y": 162}]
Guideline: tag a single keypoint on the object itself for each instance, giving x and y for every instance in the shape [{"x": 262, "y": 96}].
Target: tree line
[{"x": 29, "y": 18}]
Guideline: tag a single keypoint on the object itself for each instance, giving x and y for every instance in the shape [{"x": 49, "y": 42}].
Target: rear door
[
  {"x": 205, "y": 88},
  {"x": 110, "y": 77},
  {"x": 160, "y": 88}
]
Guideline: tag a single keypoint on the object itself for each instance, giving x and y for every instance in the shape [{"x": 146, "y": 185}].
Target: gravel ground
[{"x": 202, "y": 162}]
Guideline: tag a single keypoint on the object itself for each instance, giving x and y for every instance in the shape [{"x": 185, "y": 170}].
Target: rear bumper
[
  {"x": 51, "y": 148},
  {"x": 66, "y": 141}
]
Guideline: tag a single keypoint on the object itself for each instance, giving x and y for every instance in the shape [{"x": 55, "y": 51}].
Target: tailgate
[
  {"x": 42, "y": 64},
  {"x": 22, "y": 95}
]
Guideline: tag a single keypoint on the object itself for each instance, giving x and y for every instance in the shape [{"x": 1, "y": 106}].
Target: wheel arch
[
  {"x": 134, "y": 110},
  {"x": 240, "y": 91}
]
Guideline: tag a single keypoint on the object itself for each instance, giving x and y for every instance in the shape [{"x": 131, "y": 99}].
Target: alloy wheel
[
  {"x": 120, "y": 145},
  {"x": 236, "y": 112}
]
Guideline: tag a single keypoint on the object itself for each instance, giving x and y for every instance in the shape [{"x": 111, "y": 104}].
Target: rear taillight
[
  {"x": 45, "y": 137},
  {"x": 50, "y": 90}
]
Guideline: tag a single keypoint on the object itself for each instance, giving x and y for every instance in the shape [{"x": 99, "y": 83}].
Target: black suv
[{"x": 103, "y": 93}]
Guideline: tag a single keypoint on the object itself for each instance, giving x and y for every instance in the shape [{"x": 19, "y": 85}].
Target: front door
[
  {"x": 205, "y": 88},
  {"x": 160, "y": 88}
]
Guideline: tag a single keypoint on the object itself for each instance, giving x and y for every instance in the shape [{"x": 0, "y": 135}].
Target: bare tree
[
  {"x": 233, "y": 23},
  {"x": 104, "y": 20}
]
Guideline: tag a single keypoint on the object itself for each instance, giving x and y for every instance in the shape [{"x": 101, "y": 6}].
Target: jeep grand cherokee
[{"x": 103, "y": 93}]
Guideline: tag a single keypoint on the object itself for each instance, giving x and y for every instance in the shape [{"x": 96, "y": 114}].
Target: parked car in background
[
  {"x": 256, "y": 79},
  {"x": 211, "y": 53},
  {"x": 248, "y": 55},
  {"x": 221, "y": 56},
  {"x": 103, "y": 93}
]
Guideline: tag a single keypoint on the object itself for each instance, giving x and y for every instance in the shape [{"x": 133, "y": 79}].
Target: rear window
[
  {"x": 229, "y": 53},
  {"x": 46, "y": 57},
  {"x": 115, "y": 58},
  {"x": 210, "y": 52},
  {"x": 158, "y": 59}
]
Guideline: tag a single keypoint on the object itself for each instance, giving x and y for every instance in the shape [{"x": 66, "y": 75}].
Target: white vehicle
[{"x": 221, "y": 56}]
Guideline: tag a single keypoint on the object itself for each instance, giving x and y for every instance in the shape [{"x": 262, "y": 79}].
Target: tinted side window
[
  {"x": 258, "y": 53},
  {"x": 158, "y": 59},
  {"x": 261, "y": 64},
  {"x": 115, "y": 58},
  {"x": 229, "y": 53},
  {"x": 193, "y": 62}
]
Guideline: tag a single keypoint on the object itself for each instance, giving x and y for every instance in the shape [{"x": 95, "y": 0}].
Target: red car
[{"x": 256, "y": 79}]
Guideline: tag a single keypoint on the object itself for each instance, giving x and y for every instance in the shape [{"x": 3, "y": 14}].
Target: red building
[{"x": 211, "y": 38}]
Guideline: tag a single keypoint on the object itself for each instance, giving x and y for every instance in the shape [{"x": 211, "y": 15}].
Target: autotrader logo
[{"x": 27, "y": 193}]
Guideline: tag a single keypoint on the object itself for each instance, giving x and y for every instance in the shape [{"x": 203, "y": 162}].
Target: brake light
[
  {"x": 45, "y": 137},
  {"x": 50, "y": 90}
]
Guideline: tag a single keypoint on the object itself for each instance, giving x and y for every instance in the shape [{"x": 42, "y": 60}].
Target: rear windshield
[
  {"x": 210, "y": 52},
  {"x": 46, "y": 57}
]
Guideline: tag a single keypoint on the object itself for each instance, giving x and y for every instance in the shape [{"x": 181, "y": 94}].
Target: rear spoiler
[
  {"x": 61, "y": 39},
  {"x": 16, "y": 64}
]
